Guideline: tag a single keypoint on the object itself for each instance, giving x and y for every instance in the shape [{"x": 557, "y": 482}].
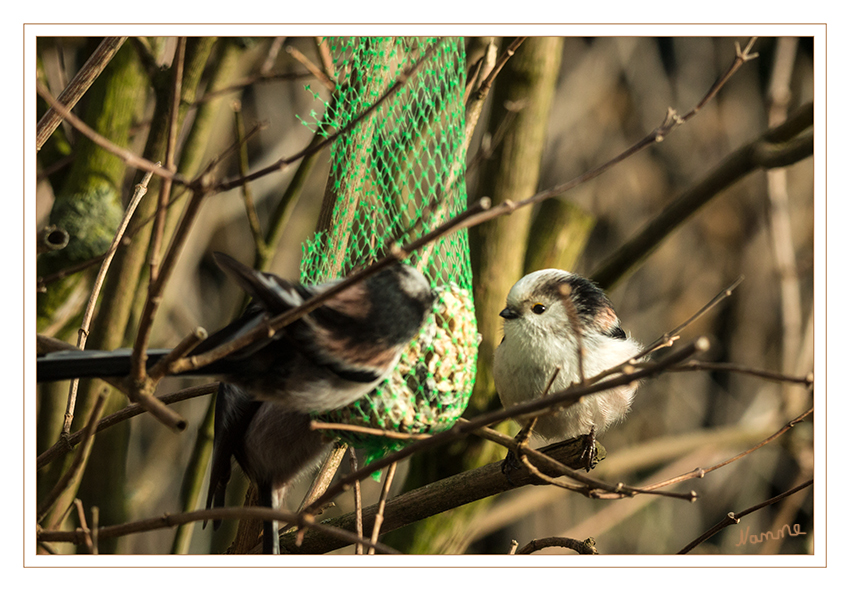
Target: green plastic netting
[{"x": 401, "y": 168}]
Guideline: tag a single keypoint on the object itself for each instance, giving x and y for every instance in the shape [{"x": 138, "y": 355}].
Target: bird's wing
[
  {"x": 324, "y": 335},
  {"x": 273, "y": 294}
]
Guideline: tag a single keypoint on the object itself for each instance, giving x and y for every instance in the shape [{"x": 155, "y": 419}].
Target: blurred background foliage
[{"x": 560, "y": 107}]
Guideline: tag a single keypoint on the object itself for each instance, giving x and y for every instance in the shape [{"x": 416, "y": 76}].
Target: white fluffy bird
[{"x": 540, "y": 339}]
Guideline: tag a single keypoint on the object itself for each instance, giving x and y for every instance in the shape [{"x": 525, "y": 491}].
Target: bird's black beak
[{"x": 508, "y": 314}]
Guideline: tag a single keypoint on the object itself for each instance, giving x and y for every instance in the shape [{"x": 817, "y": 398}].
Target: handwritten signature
[{"x": 746, "y": 538}]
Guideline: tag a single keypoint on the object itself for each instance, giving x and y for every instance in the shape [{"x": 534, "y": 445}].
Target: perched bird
[
  {"x": 325, "y": 360},
  {"x": 540, "y": 338}
]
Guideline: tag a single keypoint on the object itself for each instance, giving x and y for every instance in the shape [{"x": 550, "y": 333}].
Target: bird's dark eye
[{"x": 538, "y": 308}]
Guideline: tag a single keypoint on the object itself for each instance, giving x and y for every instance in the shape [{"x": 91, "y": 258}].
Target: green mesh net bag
[{"x": 399, "y": 173}]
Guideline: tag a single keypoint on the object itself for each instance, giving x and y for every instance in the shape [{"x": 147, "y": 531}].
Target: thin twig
[
  {"x": 545, "y": 478},
  {"x": 124, "y": 154},
  {"x": 592, "y": 488},
  {"x": 66, "y": 444},
  {"x": 271, "y": 56},
  {"x": 182, "y": 349},
  {"x": 484, "y": 89},
  {"x": 665, "y": 339},
  {"x": 247, "y": 192},
  {"x": 735, "y": 518},
  {"x": 277, "y": 323},
  {"x": 433, "y": 498},
  {"x": 382, "y": 502},
  {"x": 311, "y": 67},
  {"x": 281, "y": 164},
  {"x": 671, "y": 121},
  {"x": 490, "y": 68},
  {"x": 325, "y": 57},
  {"x": 47, "y": 279},
  {"x": 200, "y": 190},
  {"x": 77, "y": 87},
  {"x": 669, "y": 337},
  {"x": 779, "y": 146},
  {"x": 77, "y": 465},
  {"x": 469, "y": 217},
  {"x": 467, "y": 487},
  {"x": 326, "y": 474},
  {"x": 170, "y": 520},
  {"x": 322, "y": 426},
  {"x": 701, "y": 472},
  {"x": 525, "y": 433},
  {"x": 141, "y": 190},
  {"x": 533, "y": 407},
  {"x": 170, "y": 150},
  {"x": 806, "y": 380},
  {"x": 141, "y": 386},
  {"x": 587, "y": 546},
  {"x": 742, "y": 56},
  {"x": 278, "y": 221},
  {"x": 81, "y": 516},
  {"x": 358, "y": 502}
]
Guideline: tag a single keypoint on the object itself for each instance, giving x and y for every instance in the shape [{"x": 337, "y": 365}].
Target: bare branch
[
  {"x": 735, "y": 518},
  {"x": 531, "y": 408},
  {"x": 281, "y": 164},
  {"x": 358, "y": 502},
  {"x": 700, "y": 472},
  {"x": 671, "y": 121},
  {"x": 77, "y": 466},
  {"x": 278, "y": 322},
  {"x": 587, "y": 546},
  {"x": 484, "y": 89},
  {"x": 382, "y": 501},
  {"x": 806, "y": 380},
  {"x": 141, "y": 190},
  {"x": 322, "y": 426},
  {"x": 668, "y": 337},
  {"x": 77, "y": 87},
  {"x": 124, "y": 154},
  {"x": 169, "y": 521},
  {"x": 326, "y": 474},
  {"x": 66, "y": 444},
  {"x": 311, "y": 67},
  {"x": 773, "y": 148},
  {"x": 170, "y": 149}
]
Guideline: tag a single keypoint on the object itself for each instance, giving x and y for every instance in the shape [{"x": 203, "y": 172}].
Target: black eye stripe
[{"x": 587, "y": 297}]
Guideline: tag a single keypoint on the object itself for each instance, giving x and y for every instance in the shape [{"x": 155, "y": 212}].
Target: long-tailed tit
[
  {"x": 540, "y": 339},
  {"x": 323, "y": 361},
  {"x": 327, "y": 359}
]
